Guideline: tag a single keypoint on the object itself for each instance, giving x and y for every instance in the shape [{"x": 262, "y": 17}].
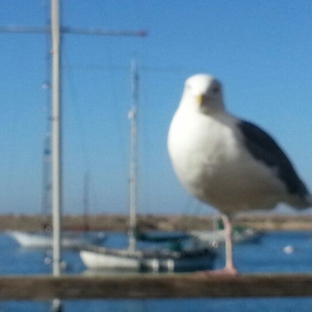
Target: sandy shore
[{"x": 154, "y": 222}]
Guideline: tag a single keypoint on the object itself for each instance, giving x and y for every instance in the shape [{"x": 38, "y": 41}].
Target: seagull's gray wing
[{"x": 263, "y": 147}]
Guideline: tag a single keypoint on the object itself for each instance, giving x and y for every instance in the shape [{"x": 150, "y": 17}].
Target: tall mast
[
  {"x": 56, "y": 30},
  {"x": 86, "y": 201},
  {"x": 46, "y": 204},
  {"x": 56, "y": 137},
  {"x": 133, "y": 157},
  {"x": 46, "y": 181}
]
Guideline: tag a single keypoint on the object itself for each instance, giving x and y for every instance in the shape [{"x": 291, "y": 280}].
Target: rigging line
[
  {"x": 77, "y": 110},
  {"x": 170, "y": 70},
  {"x": 144, "y": 148},
  {"x": 98, "y": 67}
]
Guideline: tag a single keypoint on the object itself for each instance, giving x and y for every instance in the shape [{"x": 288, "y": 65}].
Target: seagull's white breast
[{"x": 211, "y": 161}]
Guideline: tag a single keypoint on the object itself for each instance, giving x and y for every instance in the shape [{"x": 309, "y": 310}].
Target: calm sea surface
[{"x": 267, "y": 256}]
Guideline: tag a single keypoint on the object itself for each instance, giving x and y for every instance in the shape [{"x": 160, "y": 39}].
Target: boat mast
[
  {"x": 86, "y": 202},
  {"x": 46, "y": 204},
  {"x": 56, "y": 31},
  {"x": 133, "y": 156},
  {"x": 46, "y": 183},
  {"x": 56, "y": 137}
]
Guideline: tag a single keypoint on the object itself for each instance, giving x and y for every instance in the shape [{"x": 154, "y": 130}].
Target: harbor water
[{"x": 276, "y": 252}]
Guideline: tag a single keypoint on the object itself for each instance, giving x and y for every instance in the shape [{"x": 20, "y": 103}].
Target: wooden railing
[{"x": 142, "y": 286}]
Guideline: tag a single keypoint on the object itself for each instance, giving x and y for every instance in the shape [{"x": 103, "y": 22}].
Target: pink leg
[
  {"x": 229, "y": 263},
  {"x": 229, "y": 268}
]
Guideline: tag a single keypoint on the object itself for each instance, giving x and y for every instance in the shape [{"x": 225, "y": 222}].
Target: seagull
[{"x": 227, "y": 162}]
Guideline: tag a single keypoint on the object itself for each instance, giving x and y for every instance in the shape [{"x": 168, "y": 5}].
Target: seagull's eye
[{"x": 216, "y": 89}]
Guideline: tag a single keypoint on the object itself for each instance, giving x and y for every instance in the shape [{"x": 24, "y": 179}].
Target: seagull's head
[{"x": 203, "y": 93}]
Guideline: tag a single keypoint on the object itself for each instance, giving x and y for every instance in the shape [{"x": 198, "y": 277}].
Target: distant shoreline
[{"x": 108, "y": 222}]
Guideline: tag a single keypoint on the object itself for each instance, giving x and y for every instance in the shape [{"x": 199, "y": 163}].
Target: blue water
[{"x": 266, "y": 256}]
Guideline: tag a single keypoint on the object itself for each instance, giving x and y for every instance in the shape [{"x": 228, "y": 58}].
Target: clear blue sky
[{"x": 260, "y": 50}]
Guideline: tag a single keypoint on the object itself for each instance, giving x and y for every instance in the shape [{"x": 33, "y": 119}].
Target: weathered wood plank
[{"x": 154, "y": 286}]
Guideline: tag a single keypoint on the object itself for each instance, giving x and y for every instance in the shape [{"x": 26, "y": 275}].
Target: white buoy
[{"x": 288, "y": 249}]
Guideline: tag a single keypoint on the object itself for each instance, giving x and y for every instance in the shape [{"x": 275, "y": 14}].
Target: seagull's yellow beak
[{"x": 200, "y": 99}]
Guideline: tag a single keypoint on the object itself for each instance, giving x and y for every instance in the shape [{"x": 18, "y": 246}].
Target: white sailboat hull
[
  {"x": 93, "y": 260},
  {"x": 218, "y": 236},
  {"x": 147, "y": 260},
  {"x": 45, "y": 240}
]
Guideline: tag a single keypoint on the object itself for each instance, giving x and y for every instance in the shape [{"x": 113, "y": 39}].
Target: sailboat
[
  {"x": 44, "y": 238},
  {"x": 69, "y": 239},
  {"x": 216, "y": 236},
  {"x": 149, "y": 259}
]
